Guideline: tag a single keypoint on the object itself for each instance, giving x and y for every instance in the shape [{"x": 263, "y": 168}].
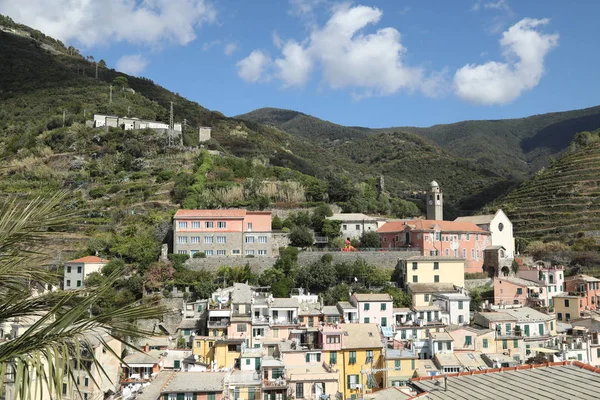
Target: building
[
  {"x": 233, "y": 232},
  {"x": 463, "y": 240},
  {"x": 128, "y": 123},
  {"x": 472, "y": 338},
  {"x": 194, "y": 386},
  {"x": 508, "y": 334},
  {"x": 76, "y": 271},
  {"x": 549, "y": 276},
  {"x": 426, "y": 269},
  {"x": 204, "y": 134},
  {"x": 587, "y": 287},
  {"x": 564, "y": 380},
  {"x": 568, "y": 307},
  {"x": 500, "y": 228},
  {"x": 435, "y": 202},
  {"x": 400, "y": 365},
  {"x": 375, "y": 308},
  {"x": 354, "y": 224},
  {"x": 589, "y": 328},
  {"x": 517, "y": 291},
  {"x": 450, "y": 304}
]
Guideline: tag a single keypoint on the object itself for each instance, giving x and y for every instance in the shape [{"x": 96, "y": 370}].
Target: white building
[
  {"x": 551, "y": 276},
  {"x": 499, "y": 226},
  {"x": 455, "y": 305},
  {"x": 77, "y": 270},
  {"x": 354, "y": 224}
]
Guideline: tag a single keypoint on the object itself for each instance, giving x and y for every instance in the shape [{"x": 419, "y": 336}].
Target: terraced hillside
[{"x": 563, "y": 200}]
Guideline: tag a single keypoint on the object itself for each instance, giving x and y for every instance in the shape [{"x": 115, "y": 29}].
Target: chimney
[
  {"x": 445, "y": 383},
  {"x": 146, "y": 348}
]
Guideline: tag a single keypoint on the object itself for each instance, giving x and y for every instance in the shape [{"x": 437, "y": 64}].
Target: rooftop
[
  {"x": 471, "y": 360},
  {"x": 285, "y": 302},
  {"x": 434, "y": 258},
  {"x": 473, "y": 329},
  {"x": 431, "y": 225},
  {"x": 373, "y": 297},
  {"x": 330, "y": 310},
  {"x": 446, "y": 359},
  {"x": 437, "y": 287},
  {"x": 345, "y": 305},
  {"x": 519, "y": 281},
  {"x": 585, "y": 278},
  {"x": 140, "y": 357},
  {"x": 399, "y": 353},
  {"x": 188, "y": 323},
  {"x": 528, "y": 314},
  {"x": 391, "y": 393},
  {"x": 360, "y": 336},
  {"x": 351, "y": 217},
  {"x": 477, "y": 219},
  {"x": 495, "y": 316},
  {"x": 241, "y": 293},
  {"x": 233, "y": 213},
  {"x": 89, "y": 259},
  {"x": 441, "y": 336},
  {"x": 564, "y": 380}
]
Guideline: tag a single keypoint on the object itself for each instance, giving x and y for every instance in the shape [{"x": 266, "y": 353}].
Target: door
[
  {"x": 177, "y": 364},
  {"x": 318, "y": 389},
  {"x": 526, "y": 330},
  {"x": 257, "y": 363},
  {"x": 383, "y": 321}
]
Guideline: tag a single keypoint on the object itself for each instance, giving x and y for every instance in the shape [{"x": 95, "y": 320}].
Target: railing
[
  {"x": 279, "y": 321},
  {"x": 256, "y": 321},
  {"x": 365, "y": 249},
  {"x": 274, "y": 383},
  {"x": 218, "y": 324}
]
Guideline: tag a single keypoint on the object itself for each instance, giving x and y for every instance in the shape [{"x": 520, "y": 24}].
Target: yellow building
[
  {"x": 433, "y": 270},
  {"x": 361, "y": 350},
  {"x": 472, "y": 338},
  {"x": 400, "y": 366},
  {"x": 217, "y": 352},
  {"x": 567, "y": 307}
]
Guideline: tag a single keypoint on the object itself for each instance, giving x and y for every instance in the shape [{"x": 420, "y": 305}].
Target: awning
[
  {"x": 219, "y": 313},
  {"x": 543, "y": 350}
]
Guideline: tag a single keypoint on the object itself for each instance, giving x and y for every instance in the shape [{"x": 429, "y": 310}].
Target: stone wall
[
  {"x": 385, "y": 259},
  {"x": 475, "y": 283}
]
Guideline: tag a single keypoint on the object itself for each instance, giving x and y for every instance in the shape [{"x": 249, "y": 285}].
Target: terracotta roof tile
[
  {"x": 89, "y": 259},
  {"x": 427, "y": 225},
  {"x": 233, "y": 213}
]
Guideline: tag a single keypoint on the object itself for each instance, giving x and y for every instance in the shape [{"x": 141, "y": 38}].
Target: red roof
[
  {"x": 234, "y": 213},
  {"x": 89, "y": 259},
  {"x": 428, "y": 225}
]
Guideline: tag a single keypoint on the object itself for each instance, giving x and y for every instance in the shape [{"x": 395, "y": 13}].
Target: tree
[
  {"x": 401, "y": 298},
  {"x": 316, "y": 277},
  {"x": 157, "y": 274},
  {"x": 51, "y": 349},
  {"x": 318, "y": 217},
  {"x": 301, "y": 236},
  {"x": 369, "y": 239},
  {"x": 121, "y": 81},
  {"x": 102, "y": 64},
  {"x": 331, "y": 228},
  {"x": 276, "y": 223}
]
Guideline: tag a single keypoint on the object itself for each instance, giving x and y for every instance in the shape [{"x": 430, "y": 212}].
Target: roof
[
  {"x": 477, "y": 219},
  {"x": 345, "y": 305},
  {"x": 495, "y": 316},
  {"x": 188, "y": 323},
  {"x": 431, "y": 307},
  {"x": 155, "y": 340},
  {"x": 519, "y": 281},
  {"x": 373, "y": 297},
  {"x": 351, "y": 217},
  {"x": 446, "y": 359},
  {"x": 470, "y": 359},
  {"x": 401, "y": 310},
  {"x": 399, "y": 353},
  {"x": 430, "y": 225},
  {"x": 269, "y": 361},
  {"x": 330, "y": 310},
  {"x": 310, "y": 309},
  {"x": 195, "y": 382},
  {"x": 285, "y": 302},
  {"x": 441, "y": 336},
  {"x": 434, "y": 258},
  {"x": 89, "y": 259},
  {"x": 139, "y": 357},
  {"x": 241, "y": 293},
  {"x": 233, "y": 213},
  {"x": 564, "y": 380},
  {"x": 391, "y": 393},
  {"x": 437, "y": 287},
  {"x": 476, "y": 330},
  {"x": 360, "y": 336},
  {"x": 527, "y": 314},
  {"x": 585, "y": 278}
]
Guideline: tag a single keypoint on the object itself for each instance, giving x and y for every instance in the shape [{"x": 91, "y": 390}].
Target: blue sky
[{"x": 373, "y": 63}]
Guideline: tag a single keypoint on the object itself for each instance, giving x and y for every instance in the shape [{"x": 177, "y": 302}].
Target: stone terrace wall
[{"x": 475, "y": 283}]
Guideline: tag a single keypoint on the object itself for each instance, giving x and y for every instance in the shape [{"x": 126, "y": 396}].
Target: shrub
[
  {"x": 199, "y": 254},
  {"x": 276, "y": 223},
  {"x": 301, "y": 236}
]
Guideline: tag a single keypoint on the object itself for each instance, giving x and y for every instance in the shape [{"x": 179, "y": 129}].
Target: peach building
[
  {"x": 374, "y": 308},
  {"x": 517, "y": 291},
  {"x": 586, "y": 287},
  {"x": 438, "y": 238}
]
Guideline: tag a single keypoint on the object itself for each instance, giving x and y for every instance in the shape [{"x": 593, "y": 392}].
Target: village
[{"x": 244, "y": 343}]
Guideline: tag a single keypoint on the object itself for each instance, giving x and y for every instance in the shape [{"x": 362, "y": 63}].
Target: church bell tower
[{"x": 435, "y": 203}]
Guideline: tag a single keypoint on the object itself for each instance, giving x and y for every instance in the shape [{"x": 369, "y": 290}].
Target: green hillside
[
  {"x": 515, "y": 148},
  {"x": 563, "y": 200}
]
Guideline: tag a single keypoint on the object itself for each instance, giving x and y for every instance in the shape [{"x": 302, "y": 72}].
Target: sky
[{"x": 374, "y": 63}]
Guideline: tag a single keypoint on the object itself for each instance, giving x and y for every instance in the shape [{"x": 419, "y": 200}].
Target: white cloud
[
  {"x": 303, "y": 7},
  {"x": 209, "y": 45},
  {"x": 230, "y": 48},
  {"x": 524, "y": 49},
  {"x": 371, "y": 64},
  {"x": 132, "y": 64},
  {"x": 90, "y": 23},
  {"x": 254, "y": 67}
]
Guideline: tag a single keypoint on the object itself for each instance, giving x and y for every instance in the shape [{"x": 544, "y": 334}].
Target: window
[
  {"x": 447, "y": 253},
  {"x": 414, "y": 265},
  {"x": 68, "y": 282},
  {"x": 196, "y": 224},
  {"x": 310, "y": 358},
  {"x": 397, "y": 366},
  {"x": 352, "y": 381},
  {"x": 79, "y": 269},
  {"x": 477, "y": 252},
  {"x": 366, "y": 307},
  {"x": 241, "y": 327},
  {"x": 182, "y": 239},
  {"x": 551, "y": 325},
  {"x": 262, "y": 252},
  {"x": 504, "y": 344},
  {"x": 78, "y": 283},
  {"x": 208, "y": 239},
  {"x": 195, "y": 239},
  {"x": 383, "y": 321},
  {"x": 182, "y": 224},
  {"x": 436, "y": 265},
  {"x": 220, "y": 252},
  {"x": 172, "y": 396},
  {"x": 468, "y": 340},
  {"x": 541, "y": 329},
  {"x": 367, "y": 320},
  {"x": 566, "y": 303},
  {"x": 477, "y": 236},
  {"x": 249, "y": 252},
  {"x": 485, "y": 343},
  {"x": 436, "y": 278},
  {"x": 235, "y": 252},
  {"x": 262, "y": 239},
  {"x": 598, "y": 353},
  {"x": 181, "y": 251},
  {"x": 221, "y": 239},
  {"x": 456, "y": 253},
  {"x": 415, "y": 279},
  {"x": 472, "y": 253},
  {"x": 559, "y": 316},
  {"x": 439, "y": 346},
  {"x": 249, "y": 239},
  {"x": 464, "y": 253},
  {"x": 209, "y": 224},
  {"x": 426, "y": 296},
  {"x": 460, "y": 304},
  {"x": 438, "y": 236},
  {"x": 69, "y": 269},
  {"x": 345, "y": 227},
  {"x": 208, "y": 252},
  {"x": 211, "y": 396},
  {"x": 519, "y": 291},
  {"x": 333, "y": 339},
  {"x": 352, "y": 358},
  {"x": 86, "y": 381},
  {"x": 188, "y": 396},
  {"x": 299, "y": 390},
  {"x": 468, "y": 236},
  {"x": 249, "y": 226},
  {"x": 221, "y": 224},
  {"x": 461, "y": 319},
  {"x": 516, "y": 343}
]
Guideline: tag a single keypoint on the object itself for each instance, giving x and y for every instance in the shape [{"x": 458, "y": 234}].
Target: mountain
[
  {"x": 563, "y": 200},
  {"x": 515, "y": 148}
]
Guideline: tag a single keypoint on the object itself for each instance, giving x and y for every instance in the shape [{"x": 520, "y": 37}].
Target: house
[
  {"x": 441, "y": 343},
  {"x": 400, "y": 365},
  {"x": 473, "y": 338},
  {"x": 451, "y": 301},
  {"x": 517, "y": 291},
  {"x": 587, "y": 287},
  {"x": 233, "y": 232},
  {"x": 447, "y": 363},
  {"x": 354, "y": 224},
  {"x": 76, "y": 271},
  {"x": 549, "y": 276},
  {"x": 348, "y": 311},
  {"x": 218, "y": 353},
  {"x": 194, "y": 386},
  {"x": 141, "y": 367},
  {"x": 241, "y": 313},
  {"x": 589, "y": 329},
  {"x": 373, "y": 307},
  {"x": 243, "y": 385},
  {"x": 427, "y": 269},
  {"x": 500, "y": 228},
  {"x": 463, "y": 240},
  {"x": 568, "y": 307},
  {"x": 508, "y": 334},
  {"x": 471, "y": 360}
]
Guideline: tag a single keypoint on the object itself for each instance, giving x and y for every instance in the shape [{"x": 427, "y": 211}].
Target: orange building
[
  {"x": 438, "y": 238},
  {"x": 586, "y": 287}
]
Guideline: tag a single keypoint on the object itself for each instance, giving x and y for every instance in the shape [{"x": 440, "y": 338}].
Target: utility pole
[
  {"x": 64, "y": 117},
  {"x": 96, "y": 70},
  {"x": 110, "y": 96}
]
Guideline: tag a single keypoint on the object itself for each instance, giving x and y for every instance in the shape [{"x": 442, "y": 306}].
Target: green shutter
[
  {"x": 177, "y": 364},
  {"x": 348, "y": 382},
  {"x": 318, "y": 357},
  {"x": 412, "y": 364},
  {"x": 397, "y": 365},
  {"x": 485, "y": 343},
  {"x": 307, "y": 357}
]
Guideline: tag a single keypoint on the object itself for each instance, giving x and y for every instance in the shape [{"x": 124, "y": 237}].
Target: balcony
[
  {"x": 263, "y": 320},
  {"x": 284, "y": 321},
  {"x": 514, "y": 334},
  {"x": 273, "y": 384},
  {"x": 218, "y": 324},
  {"x": 435, "y": 322}
]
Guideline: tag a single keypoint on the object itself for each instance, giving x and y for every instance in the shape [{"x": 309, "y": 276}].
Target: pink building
[
  {"x": 586, "y": 287},
  {"x": 438, "y": 238},
  {"x": 374, "y": 308},
  {"x": 518, "y": 291}
]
